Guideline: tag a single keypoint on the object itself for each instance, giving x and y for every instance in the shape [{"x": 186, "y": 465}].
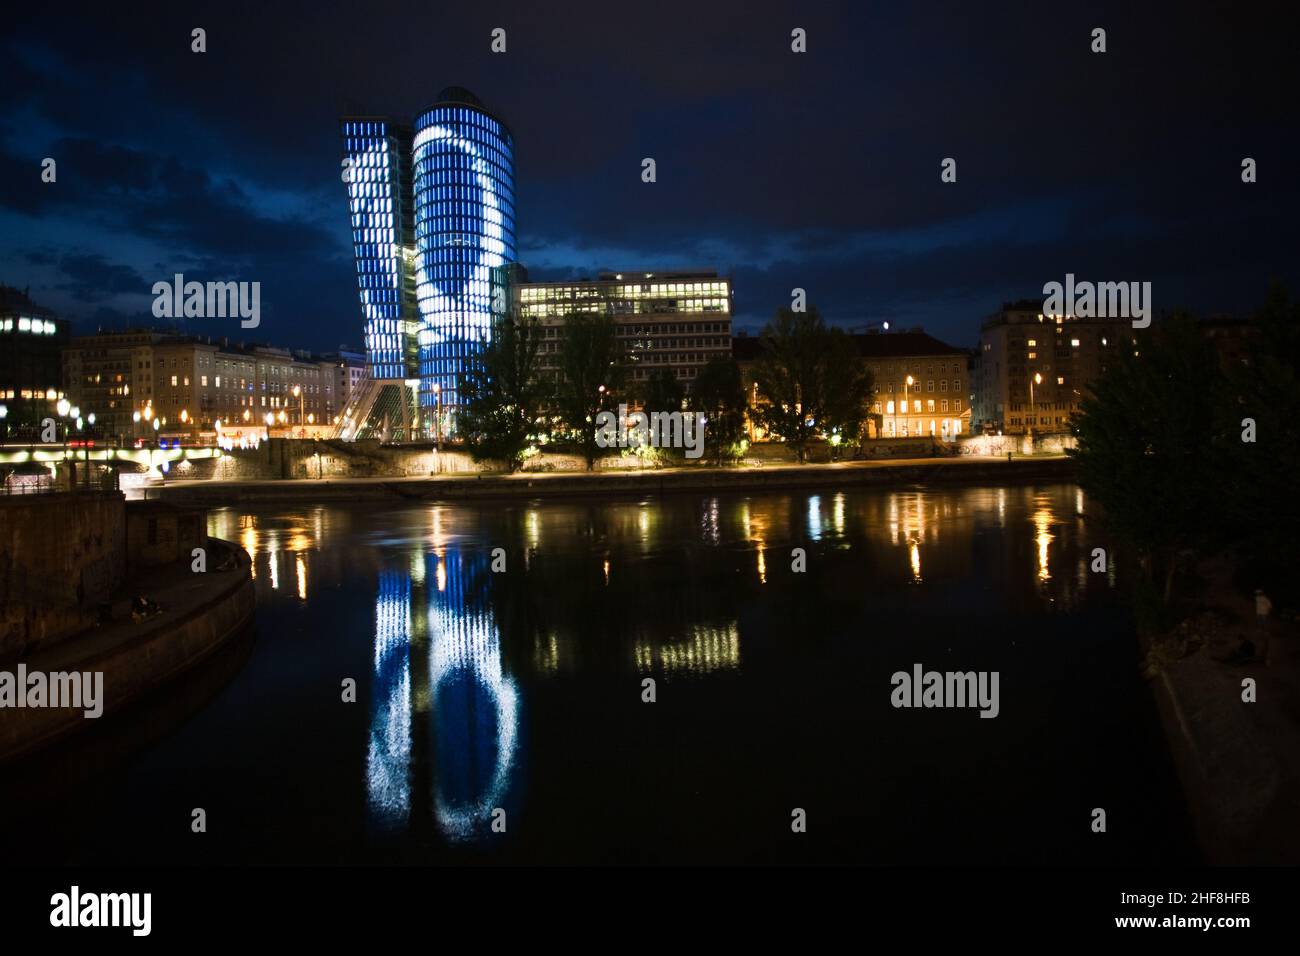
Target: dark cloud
[{"x": 818, "y": 170}]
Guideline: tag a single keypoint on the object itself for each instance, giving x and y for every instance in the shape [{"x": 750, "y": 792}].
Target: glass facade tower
[
  {"x": 377, "y": 173},
  {"x": 464, "y": 219}
]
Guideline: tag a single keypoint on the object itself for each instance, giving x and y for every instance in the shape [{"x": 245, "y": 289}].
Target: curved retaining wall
[{"x": 139, "y": 660}]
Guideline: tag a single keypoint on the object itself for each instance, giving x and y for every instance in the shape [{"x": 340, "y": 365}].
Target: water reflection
[{"x": 653, "y": 587}]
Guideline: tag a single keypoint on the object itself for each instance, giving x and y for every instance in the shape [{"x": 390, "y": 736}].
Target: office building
[
  {"x": 31, "y": 379},
  {"x": 666, "y": 320},
  {"x": 433, "y": 219}
]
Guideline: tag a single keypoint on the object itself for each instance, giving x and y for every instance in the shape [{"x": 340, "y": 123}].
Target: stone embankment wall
[{"x": 61, "y": 556}]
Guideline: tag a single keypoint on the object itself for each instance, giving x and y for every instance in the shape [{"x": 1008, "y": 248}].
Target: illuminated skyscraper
[
  {"x": 377, "y": 171},
  {"x": 433, "y": 224},
  {"x": 464, "y": 190}
]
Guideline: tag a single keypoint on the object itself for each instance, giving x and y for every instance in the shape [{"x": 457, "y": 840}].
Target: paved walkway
[{"x": 1240, "y": 761}]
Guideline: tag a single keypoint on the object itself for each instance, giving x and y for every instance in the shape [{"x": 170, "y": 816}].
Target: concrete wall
[
  {"x": 160, "y": 533},
  {"x": 997, "y": 446},
  {"x": 143, "y": 658},
  {"x": 61, "y": 555},
  {"x": 281, "y": 458}
]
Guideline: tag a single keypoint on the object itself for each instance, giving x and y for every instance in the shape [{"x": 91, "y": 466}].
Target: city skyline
[{"x": 758, "y": 174}]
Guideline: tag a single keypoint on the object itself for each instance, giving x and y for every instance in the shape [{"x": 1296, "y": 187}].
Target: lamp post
[
  {"x": 437, "y": 414},
  {"x": 297, "y": 393},
  {"x": 1036, "y": 380},
  {"x": 907, "y": 383}
]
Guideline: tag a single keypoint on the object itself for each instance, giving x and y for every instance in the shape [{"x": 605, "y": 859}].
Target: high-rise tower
[
  {"x": 433, "y": 225},
  {"x": 377, "y": 173},
  {"x": 464, "y": 191}
]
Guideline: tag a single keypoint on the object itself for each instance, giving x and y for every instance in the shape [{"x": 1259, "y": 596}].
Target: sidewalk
[
  {"x": 643, "y": 481},
  {"x": 1240, "y": 762}
]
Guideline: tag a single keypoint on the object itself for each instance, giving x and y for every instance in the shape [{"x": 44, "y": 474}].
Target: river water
[{"x": 499, "y": 715}]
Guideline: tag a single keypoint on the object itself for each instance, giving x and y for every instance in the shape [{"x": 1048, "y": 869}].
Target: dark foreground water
[{"x": 517, "y": 695}]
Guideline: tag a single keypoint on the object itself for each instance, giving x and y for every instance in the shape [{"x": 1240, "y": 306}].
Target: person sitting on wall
[{"x": 142, "y": 608}]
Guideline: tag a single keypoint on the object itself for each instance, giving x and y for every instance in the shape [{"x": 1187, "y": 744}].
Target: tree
[
  {"x": 719, "y": 393},
  {"x": 1258, "y": 478},
  {"x": 812, "y": 380},
  {"x": 591, "y": 373},
  {"x": 661, "y": 392},
  {"x": 503, "y": 394},
  {"x": 1151, "y": 444}
]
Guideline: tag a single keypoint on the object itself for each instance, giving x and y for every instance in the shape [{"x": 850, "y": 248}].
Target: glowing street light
[
  {"x": 64, "y": 407},
  {"x": 437, "y": 398},
  {"x": 1036, "y": 380}
]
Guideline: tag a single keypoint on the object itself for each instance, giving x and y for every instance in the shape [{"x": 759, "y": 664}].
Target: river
[{"x": 500, "y": 654}]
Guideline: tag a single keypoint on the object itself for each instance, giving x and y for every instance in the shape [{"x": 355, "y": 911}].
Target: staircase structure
[{"x": 383, "y": 409}]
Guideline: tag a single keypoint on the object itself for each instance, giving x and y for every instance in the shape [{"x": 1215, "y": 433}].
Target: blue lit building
[
  {"x": 377, "y": 173},
  {"x": 464, "y": 192},
  {"x": 433, "y": 229}
]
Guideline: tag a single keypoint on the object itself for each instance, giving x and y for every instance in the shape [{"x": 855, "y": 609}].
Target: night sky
[{"x": 818, "y": 170}]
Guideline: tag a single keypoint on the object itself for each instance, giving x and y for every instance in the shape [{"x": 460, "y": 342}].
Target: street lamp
[
  {"x": 1036, "y": 380},
  {"x": 297, "y": 393},
  {"x": 907, "y": 383},
  {"x": 437, "y": 399}
]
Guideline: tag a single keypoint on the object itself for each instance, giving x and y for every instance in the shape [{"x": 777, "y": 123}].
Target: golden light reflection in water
[
  {"x": 546, "y": 654},
  {"x": 273, "y": 558},
  {"x": 301, "y": 566},
  {"x": 435, "y": 529},
  {"x": 837, "y": 513},
  {"x": 1043, "y": 536},
  {"x": 441, "y": 575},
  {"x": 707, "y": 650},
  {"x": 248, "y": 538},
  {"x": 907, "y": 526},
  {"x": 756, "y": 526}
]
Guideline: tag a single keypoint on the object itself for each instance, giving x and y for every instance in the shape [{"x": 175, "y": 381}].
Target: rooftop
[{"x": 870, "y": 346}]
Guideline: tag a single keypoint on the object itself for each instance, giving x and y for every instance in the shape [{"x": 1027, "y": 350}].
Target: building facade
[
  {"x": 464, "y": 192},
  {"x": 1033, "y": 368},
  {"x": 31, "y": 375},
  {"x": 377, "y": 173},
  {"x": 920, "y": 385},
  {"x": 433, "y": 218},
  {"x": 666, "y": 320},
  {"x": 188, "y": 384}
]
